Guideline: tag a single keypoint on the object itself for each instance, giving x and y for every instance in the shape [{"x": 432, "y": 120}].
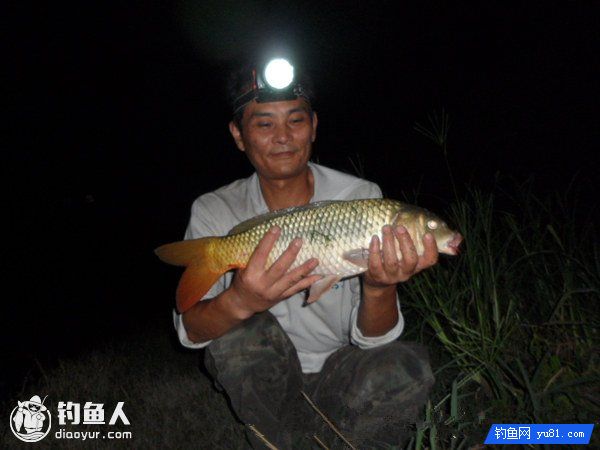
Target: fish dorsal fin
[{"x": 251, "y": 223}]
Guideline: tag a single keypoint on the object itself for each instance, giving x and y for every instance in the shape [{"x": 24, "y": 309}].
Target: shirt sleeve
[
  {"x": 364, "y": 342},
  {"x": 201, "y": 223},
  {"x": 182, "y": 333}
]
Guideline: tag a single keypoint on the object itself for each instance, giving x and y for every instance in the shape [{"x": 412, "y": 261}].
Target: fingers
[
  {"x": 390, "y": 257},
  {"x": 430, "y": 254},
  {"x": 261, "y": 253},
  {"x": 375, "y": 262},
  {"x": 285, "y": 260},
  {"x": 302, "y": 271},
  {"x": 304, "y": 283},
  {"x": 276, "y": 282},
  {"x": 410, "y": 257},
  {"x": 296, "y": 277},
  {"x": 386, "y": 266},
  {"x": 384, "y": 263}
]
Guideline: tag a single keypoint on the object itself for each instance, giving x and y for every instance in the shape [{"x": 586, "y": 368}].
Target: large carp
[{"x": 337, "y": 233}]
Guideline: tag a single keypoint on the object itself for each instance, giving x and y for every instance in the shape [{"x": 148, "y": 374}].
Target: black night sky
[{"x": 117, "y": 120}]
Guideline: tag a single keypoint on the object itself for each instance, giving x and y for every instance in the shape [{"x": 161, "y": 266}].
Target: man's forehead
[{"x": 276, "y": 108}]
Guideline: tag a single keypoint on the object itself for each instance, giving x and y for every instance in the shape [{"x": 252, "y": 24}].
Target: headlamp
[{"x": 274, "y": 82}]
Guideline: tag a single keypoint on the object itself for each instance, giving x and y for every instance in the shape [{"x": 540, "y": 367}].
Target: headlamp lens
[{"x": 279, "y": 73}]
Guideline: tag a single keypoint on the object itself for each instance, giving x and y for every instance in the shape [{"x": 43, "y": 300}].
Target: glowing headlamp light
[
  {"x": 279, "y": 74},
  {"x": 276, "y": 82}
]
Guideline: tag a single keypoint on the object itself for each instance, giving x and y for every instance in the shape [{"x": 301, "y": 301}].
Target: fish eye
[{"x": 432, "y": 225}]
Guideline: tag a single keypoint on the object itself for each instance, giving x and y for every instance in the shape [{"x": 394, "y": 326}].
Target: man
[{"x": 263, "y": 346}]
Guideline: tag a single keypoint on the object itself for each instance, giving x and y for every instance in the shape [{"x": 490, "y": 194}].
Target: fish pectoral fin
[
  {"x": 318, "y": 288},
  {"x": 358, "y": 256}
]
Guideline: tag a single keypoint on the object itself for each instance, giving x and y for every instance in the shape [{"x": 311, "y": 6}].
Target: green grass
[
  {"x": 513, "y": 320},
  {"x": 168, "y": 401}
]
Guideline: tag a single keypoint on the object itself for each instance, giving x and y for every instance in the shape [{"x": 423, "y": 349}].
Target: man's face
[{"x": 277, "y": 137}]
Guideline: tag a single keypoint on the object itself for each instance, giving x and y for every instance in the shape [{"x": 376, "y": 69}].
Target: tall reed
[{"x": 514, "y": 317}]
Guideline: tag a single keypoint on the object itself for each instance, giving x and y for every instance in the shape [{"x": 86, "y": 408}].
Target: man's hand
[
  {"x": 257, "y": 289},
  {"x": 378, "y": 311},
  {"x": 384, "y": 267}
]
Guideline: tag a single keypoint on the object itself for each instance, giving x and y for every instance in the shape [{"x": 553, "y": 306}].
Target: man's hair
[{"x": 240, "y": 81}]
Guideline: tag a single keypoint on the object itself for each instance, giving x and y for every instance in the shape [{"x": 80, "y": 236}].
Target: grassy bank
[
  {"x": 168, "y": 401},
  {"x": 513, "y": 322}
]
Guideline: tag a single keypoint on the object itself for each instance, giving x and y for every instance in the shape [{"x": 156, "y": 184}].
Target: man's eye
[
  {"x": 298, "y": 119},
  {"x": 264, "y": 124}
]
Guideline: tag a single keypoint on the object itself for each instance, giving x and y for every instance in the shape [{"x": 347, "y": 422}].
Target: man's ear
[
  {"x": 237, "y": 136},
  {"x": 314, "y": 126}
]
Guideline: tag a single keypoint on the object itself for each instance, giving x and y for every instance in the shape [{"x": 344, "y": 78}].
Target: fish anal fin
[
  {"x": 195, "y": 282},
  {"x": 357, "y": 256},
  {"x": 321, "y": 286}
]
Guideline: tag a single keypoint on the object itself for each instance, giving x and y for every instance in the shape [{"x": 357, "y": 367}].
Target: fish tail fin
[{"x": 203, "y": 267}]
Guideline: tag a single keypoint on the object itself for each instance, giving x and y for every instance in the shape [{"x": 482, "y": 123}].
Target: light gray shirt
[{"x": 320, "y": 328}]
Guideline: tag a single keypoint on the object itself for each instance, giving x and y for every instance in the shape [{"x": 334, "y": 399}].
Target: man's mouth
[{"x": 283, "y": 153}]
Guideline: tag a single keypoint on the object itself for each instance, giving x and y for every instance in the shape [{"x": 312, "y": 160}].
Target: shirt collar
[{"x": 255, "y": 196}]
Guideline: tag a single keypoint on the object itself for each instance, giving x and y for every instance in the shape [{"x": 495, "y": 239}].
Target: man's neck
[{"x": 296, "y": 191}]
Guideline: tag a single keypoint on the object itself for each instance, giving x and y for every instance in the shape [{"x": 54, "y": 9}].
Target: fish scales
[{"x": 327, "y": 231}]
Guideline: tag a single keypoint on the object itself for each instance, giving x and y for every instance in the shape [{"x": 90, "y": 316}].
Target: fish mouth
[{"x": 453, "y": 245}]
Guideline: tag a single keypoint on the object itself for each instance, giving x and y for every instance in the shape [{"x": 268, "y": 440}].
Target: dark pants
[{"x": 373, "y": 396}]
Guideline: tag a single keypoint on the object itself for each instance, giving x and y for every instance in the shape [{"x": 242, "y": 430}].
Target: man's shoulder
[
  {"x": 216, "y": 212},
  {"x": 334, "y": 184},
  {"x": 231, "y": 194}
]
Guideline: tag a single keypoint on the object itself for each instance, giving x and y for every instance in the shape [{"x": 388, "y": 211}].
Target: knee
[
  {"x": 392, "y": 370},
  {"x": 256, "y": 345},
  {"x": 254, "y": 334}
]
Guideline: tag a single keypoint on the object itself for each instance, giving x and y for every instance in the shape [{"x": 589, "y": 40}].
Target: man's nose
[{"x": 282, "y": 134}]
